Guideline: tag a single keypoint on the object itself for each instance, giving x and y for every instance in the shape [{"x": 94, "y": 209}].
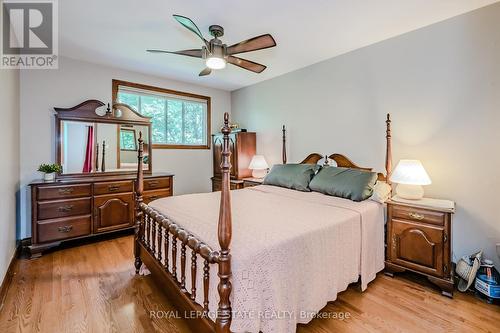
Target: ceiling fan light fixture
[{"x": 216, "y": 63}]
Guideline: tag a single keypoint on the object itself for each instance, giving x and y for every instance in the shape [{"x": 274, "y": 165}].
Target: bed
[{"x": 291, "y": 251}]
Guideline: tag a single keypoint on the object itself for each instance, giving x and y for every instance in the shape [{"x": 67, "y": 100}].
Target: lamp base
[
  {"x": 259, "y": 173},
  {"x": 410, "y": 192}
]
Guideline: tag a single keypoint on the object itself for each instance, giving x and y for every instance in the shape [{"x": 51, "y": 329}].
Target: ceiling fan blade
[
  {"x": 196, "y": 53},
  {"x": 246, "y": 64},
  {"x": 189, "y": 24},
  {"x": 204, "y": 72},
  {"x": 252, "y": 44}
]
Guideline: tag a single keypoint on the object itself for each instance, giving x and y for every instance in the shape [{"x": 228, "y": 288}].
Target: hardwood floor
[{"x": 93, "y": 288}]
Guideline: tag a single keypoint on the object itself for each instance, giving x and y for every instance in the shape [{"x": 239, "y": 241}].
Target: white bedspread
[{"x": 292, "y": 251}]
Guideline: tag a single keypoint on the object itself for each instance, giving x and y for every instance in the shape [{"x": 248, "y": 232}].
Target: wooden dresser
[
  {"x": 243, "y": 148},
  {"x": 419, "y": 240},
  {"x": 80, "y": 207}
]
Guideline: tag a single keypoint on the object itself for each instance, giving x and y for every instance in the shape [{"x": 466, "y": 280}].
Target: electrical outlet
[{"x": 498, "y": 250}]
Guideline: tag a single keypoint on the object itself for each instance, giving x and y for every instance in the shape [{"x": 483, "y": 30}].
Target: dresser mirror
[{"x": 92, "y": 139}]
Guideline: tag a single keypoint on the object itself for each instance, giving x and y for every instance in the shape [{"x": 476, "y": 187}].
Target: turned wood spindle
[
  {"x": 388, "y": 153},
  {"x": 139, "y": 215},
  {"x": 193, "y": 274},
  {"x": 148, "y": 224},
  {"x": 206, "y": 285},
  {"x": 183, "y": 265},
  {"x": 174, "y": 257},
  {"x": 167, "y": 245},
  {"x": 223, "y": 321},
  {"x": 153, "y": 236},
  {"x": 160, "y": 234},
  {"x": 283, "y": 149}
]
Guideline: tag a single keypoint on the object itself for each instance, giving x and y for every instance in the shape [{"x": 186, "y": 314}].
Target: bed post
[
  {"x": 139, "y": 188},
  {"x": 223, "y": 322},
  {"x": 283, "y": 149},
  {"x": 388, "y": 152}
]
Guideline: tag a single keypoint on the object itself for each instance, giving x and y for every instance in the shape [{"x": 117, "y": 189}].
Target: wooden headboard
[{"x": 343, "y": 161}]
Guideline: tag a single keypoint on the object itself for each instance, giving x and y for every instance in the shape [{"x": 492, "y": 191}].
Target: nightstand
[
  {"x": 419, "y": 240},
  {"x": 249, "y": 182}
]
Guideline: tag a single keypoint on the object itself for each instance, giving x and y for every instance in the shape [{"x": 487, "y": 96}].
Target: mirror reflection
[{"x": 101, "y": 147}]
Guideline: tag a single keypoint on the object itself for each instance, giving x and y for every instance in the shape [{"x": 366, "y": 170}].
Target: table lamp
[
  {"x": 410, "y": 175},
  {"x": 259, "y": 166}
]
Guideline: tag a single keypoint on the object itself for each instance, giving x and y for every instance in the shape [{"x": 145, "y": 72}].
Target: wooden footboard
[{"x": 156, "y": 237}]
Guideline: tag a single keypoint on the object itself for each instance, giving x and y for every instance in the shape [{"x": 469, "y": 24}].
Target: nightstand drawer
[{"x": 418, "y": 215}]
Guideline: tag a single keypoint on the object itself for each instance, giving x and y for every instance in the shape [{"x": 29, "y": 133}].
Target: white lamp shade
[
  {"x": 410, "y": 172},
  {"x": 258, "y": 163}
]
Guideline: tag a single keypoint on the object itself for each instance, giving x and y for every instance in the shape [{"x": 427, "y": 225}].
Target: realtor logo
[{"x": 29, "y": 34}]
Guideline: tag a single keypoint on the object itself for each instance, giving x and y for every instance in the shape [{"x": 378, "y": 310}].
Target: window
[
  {"x": 128, "y": 139},
  {"x": 179, "y": 120}
]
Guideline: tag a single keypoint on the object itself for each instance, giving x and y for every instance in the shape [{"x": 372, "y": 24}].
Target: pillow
[
  {"x": 347, "y": 183},
  {"x": 292, "y": 176},
  {"x": 381, "y": 192}
]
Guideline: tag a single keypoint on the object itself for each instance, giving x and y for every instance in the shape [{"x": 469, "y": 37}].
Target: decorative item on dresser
[
  {"x": 85, "y": 203},
  {"x": 242, "y": 146},
  {"x": 419, "y": 240}
]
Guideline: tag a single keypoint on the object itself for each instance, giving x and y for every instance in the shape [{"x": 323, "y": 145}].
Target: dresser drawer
[
  {"x": 156, "y": 183},
  {"x": 149, "y": 196},
  {"x": 418, "y": 215},
  {"x": 113, "y": 187},
  {"x": 55, "y": 209},
  {"x": 63, "y": 192},
  {"x": 63, "y": 228}
]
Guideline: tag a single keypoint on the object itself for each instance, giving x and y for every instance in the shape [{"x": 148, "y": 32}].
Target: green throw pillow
[
  {"x": 293, "y": 176},
  {"x": 353, "y": 184}
]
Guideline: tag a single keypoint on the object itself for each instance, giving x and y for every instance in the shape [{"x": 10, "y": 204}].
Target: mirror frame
[{"x": 120, "y": 114}]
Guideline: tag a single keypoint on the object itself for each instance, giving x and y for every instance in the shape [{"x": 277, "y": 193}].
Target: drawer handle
[
  {"x": 65, "y": 209},
  {"x": 66, "y": 190},
  {"x": 153, "y": 197},
  {"x": 65, "y": 229},
  {"x": 153, "y": 183},
  {"x": 416, "y": 216},
  {"x": 113, "y": 187}
]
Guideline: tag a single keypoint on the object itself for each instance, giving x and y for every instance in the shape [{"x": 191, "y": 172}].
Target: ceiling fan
[{"x": 217, "y": 54}]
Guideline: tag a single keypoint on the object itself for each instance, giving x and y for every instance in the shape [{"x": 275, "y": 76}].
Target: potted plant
[{"x": 49, "y": 171}]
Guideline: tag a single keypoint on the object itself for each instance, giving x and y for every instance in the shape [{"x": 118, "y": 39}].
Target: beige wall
[
  {"x": 9, "y": 167},
  {"x": 442, "y": 86},
  {"x": 76, "y": 81}
]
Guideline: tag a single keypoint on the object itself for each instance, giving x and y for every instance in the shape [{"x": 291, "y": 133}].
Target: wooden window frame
[{"x": 118, "y": 83}]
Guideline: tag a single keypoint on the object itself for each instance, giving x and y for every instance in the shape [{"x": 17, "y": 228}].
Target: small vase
[{"x": 49, "y": 177}]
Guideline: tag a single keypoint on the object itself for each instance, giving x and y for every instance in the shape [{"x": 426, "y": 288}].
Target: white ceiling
[{"x": 117, "y": 32}]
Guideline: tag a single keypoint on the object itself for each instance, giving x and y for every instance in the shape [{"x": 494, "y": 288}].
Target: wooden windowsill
[{"x": 165, "y": 146}]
